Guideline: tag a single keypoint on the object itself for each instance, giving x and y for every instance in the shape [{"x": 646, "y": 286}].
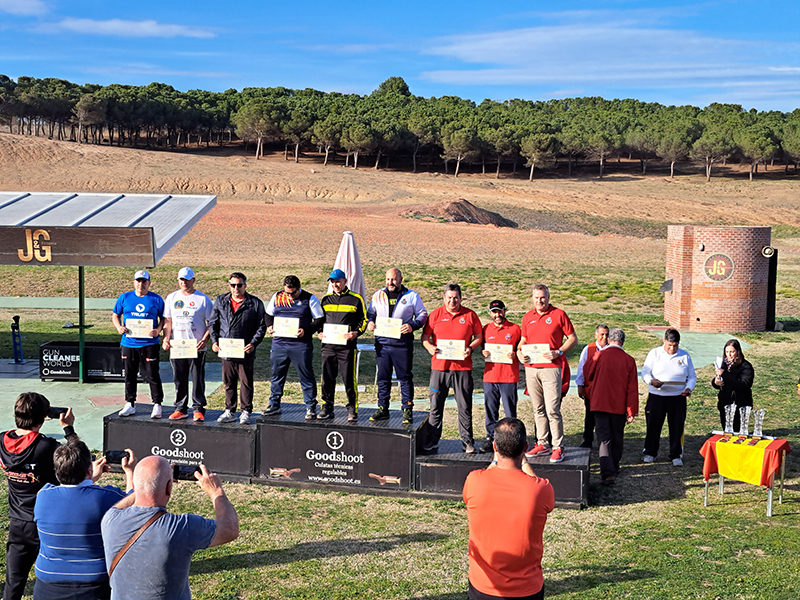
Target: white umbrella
[{"x": 348, "y": 261}]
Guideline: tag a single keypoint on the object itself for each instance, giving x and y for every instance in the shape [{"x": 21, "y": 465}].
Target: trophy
[
  {"x": 730, "y": 414},
  {"x": 758, "y": 418},
  {"x": 744, "y": 420}
]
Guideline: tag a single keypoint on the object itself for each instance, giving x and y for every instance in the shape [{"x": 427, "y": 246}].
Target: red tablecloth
[{"x": 737, "y": 455}]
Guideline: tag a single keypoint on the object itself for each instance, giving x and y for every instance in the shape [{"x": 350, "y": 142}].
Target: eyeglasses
[{"x": 236, "y": 285}]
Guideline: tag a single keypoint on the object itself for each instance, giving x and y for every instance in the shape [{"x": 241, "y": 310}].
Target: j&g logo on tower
[
  {"x": 718, "y": 267},
  {"x": 35, "y": 246}
]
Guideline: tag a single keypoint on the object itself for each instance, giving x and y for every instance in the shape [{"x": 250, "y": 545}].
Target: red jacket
[{"x": 615, "y": 387}]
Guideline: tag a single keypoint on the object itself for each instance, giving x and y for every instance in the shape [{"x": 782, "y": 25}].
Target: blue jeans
[
  {"x": 492, "y": 394},
  {"x": 399, "y": 358},
  {"x": 300, "y": 357}
]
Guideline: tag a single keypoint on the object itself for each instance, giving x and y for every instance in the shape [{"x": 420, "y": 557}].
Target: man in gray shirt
[{"x": 157, "y": 564}]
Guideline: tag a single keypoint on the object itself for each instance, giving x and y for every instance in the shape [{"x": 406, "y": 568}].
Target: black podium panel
[
  {"x": 228, "y": 448},
  {"x": 338, "y": 453},
  {"x": 60, "y": 361},
  {"x": 445, "y": 472}
]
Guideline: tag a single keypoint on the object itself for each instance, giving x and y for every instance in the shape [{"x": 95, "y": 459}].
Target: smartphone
[
  {"x": 184, "y": 472},
  {"x": 56, "y": 412},
  {"x": 114, "y": 457}
]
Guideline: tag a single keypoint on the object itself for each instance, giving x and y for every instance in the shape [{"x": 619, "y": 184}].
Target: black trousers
[
  {"x": 610, "y": 434},
  {"x": 69, "y": 590},
  {"x": 238, "y": 373},
  {"x": 401, "y": 359},
  {"x": 473, "y": 594},
  {"x": 337, "y": 359},
  {"x": 22, "y": 549},
  {"x": 673, "y": 408},
  {"x": 182, "y": 370},
  {"x": 493, "y": 393},
  {"x": 588, "y": 423},
  {"x": 462, "y": 385},
  {"x": 142, "y": 361}
]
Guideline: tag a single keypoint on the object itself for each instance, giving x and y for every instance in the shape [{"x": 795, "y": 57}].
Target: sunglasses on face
[{"x": 236, "y": 285}]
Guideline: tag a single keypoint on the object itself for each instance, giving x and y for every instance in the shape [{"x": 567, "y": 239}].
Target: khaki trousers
[{"x": 544, "y": 388}]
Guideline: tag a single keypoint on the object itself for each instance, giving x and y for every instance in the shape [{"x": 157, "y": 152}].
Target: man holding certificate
[
  {"x": 139, "y": 318},
  {"x": 501, "y": 373},
  {"x": 345, "y": 320},
  {"x": 185, "y": 337},
  {"x": 542, "y": 349},
  {"x": 293, "y": 317},
  {"x": 236, "y": 328},
  {"x": 394, "y": 314},
  {"x": 451, "y": 335}
]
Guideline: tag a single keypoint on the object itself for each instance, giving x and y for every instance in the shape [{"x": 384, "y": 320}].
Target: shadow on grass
[
  {"x": 310, "y": 550},
  {"x": 591, "y": 577}
]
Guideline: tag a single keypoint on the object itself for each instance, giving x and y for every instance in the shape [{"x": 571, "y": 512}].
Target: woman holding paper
[{"x": 734, "y": 380}]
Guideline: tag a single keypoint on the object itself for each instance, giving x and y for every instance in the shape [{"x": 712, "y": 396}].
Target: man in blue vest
[{"x": 294, "y": 303}]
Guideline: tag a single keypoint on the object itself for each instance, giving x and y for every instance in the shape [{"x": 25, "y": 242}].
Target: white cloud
[
  {"x": 23, "y": 8},
  {"x": 130, "y": 29}
]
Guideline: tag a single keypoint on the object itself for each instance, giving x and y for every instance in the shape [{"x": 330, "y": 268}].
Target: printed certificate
[
  {"x": 231, "y": 348},
  {"x": 285, "y": 327},
  {"x": 139, "y": 328},
  {"x": 498, "y": 353},
  {"x": 388, "y": 327},
  {"x": 182, "y": 349},
  {"x": 334, "y": 334},
  {"x": 450, "y": 349},
  {"x": 535, "y": 351}
]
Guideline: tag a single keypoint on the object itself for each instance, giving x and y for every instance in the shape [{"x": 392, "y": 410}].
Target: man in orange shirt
[
  {"x": 614, "y": 400},
  {"x": 507, "y": 507}
]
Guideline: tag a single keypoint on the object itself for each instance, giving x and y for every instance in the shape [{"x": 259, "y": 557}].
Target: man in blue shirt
[{"x": 139, "y": 319}]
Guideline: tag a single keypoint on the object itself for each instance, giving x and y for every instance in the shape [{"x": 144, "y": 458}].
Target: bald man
[
  {"x": 398, "y": 302},
  {"x": 157, "y": 564}
]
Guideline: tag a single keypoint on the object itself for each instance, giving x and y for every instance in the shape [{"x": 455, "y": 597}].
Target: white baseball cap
[
  {"x": 142, "y": 275},
  {"x": 186, "y": 273}
]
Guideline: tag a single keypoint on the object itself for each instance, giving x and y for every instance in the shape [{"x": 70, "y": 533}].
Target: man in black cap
[{"x": 501, "y": 373}]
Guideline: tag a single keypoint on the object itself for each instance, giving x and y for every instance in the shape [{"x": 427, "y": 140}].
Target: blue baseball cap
[{"x": 336, "y": 274}]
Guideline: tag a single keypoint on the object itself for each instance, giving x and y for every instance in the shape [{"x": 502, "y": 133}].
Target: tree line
[{"x": 392, "y": 123}]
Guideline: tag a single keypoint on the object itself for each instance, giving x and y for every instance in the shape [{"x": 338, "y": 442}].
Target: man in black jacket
[
  {"x": 237, "y": 318},
  {"x": 27, "y": 460}
]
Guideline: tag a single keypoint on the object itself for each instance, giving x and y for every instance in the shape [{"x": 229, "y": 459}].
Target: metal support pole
[
  {"x": 783, "y": 473},
  {"x": 705, "y": 498},
  {"x": 81, "y": 326},
  {"x": 721, "y": 484}
]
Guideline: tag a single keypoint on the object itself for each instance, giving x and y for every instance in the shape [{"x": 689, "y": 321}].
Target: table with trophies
[{"x": 754, "y": 459}]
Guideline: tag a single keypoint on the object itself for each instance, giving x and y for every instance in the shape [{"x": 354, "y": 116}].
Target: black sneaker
[
  {"x": 352, "y": 414},
  {"x": 325, "y": 414},
  {"x": 382, "y": 414},
  {"x": 311, "y": 414},
  {"x": 408, "y": 416},
  {"x": 272, "y": 410},
  {"x": 486, "y": 446}
]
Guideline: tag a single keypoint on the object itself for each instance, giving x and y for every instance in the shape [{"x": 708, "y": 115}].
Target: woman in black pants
[{"x": 734, "y": 381}]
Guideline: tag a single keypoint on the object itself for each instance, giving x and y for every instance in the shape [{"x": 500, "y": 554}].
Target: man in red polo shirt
[
  {"x": 451, "y": 335},
  {"x": 547, "y": 326},
  {"x": 500, "y": 379}
]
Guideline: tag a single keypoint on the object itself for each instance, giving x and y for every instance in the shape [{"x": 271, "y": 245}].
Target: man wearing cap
[
  {"x": 454, "y": 326},
  {"x": 397, "y": 302},
  {"x": 139, "y": 318},
  {"x": 293, "y": 302},
  {"x": 584, "y": 392},
  {"x": 237, "y": 315},
  {"x": 186, "y": 315},
  {"x": 500, "y": 379},
  {"x": 547, "y": 326},
  {"x": 342, "y": 307}
]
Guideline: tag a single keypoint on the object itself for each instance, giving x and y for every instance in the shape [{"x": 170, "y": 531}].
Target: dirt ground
[{"x": 281, "y": 213}]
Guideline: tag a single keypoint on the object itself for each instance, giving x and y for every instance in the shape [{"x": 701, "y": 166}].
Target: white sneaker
[
  {"x": 156, "y": 414},
  {"x": 648, "y": 459},
  {"x": 244, "y": 418},
  {"x": 226, "y": 417},
  {"x": 677, "y": 462},
  {"x": 127, "y": 410}
]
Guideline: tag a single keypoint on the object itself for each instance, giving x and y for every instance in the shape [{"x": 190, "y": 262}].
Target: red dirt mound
[{"x": 458, "y": 211}]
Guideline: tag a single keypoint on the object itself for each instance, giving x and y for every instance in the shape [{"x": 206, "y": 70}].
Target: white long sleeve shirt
[
  {"x": 675, "y": 371},
  {"x": 582, "y": 361}
]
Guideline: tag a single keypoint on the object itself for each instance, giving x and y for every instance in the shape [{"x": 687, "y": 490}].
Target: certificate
[
  {"x": 535, "y": 351},
  {"x": 182, "y": 349},
  {"x": 388, "y": 327},
  {"x": 498, "y": 353},
  {"x": 285, "y": 327},
  {"x": 334, "y": 334},
  {"x": 139, "y": 328},
  {"x": 231, "y": 348},
  {"x": 450, "y": 349}
]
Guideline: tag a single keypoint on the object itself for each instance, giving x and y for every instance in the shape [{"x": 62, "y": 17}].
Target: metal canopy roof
[{"x": 170, "y": 217}]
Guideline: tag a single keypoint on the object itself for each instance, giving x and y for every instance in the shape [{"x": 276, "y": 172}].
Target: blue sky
[{"x": 745, "y": 52}]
